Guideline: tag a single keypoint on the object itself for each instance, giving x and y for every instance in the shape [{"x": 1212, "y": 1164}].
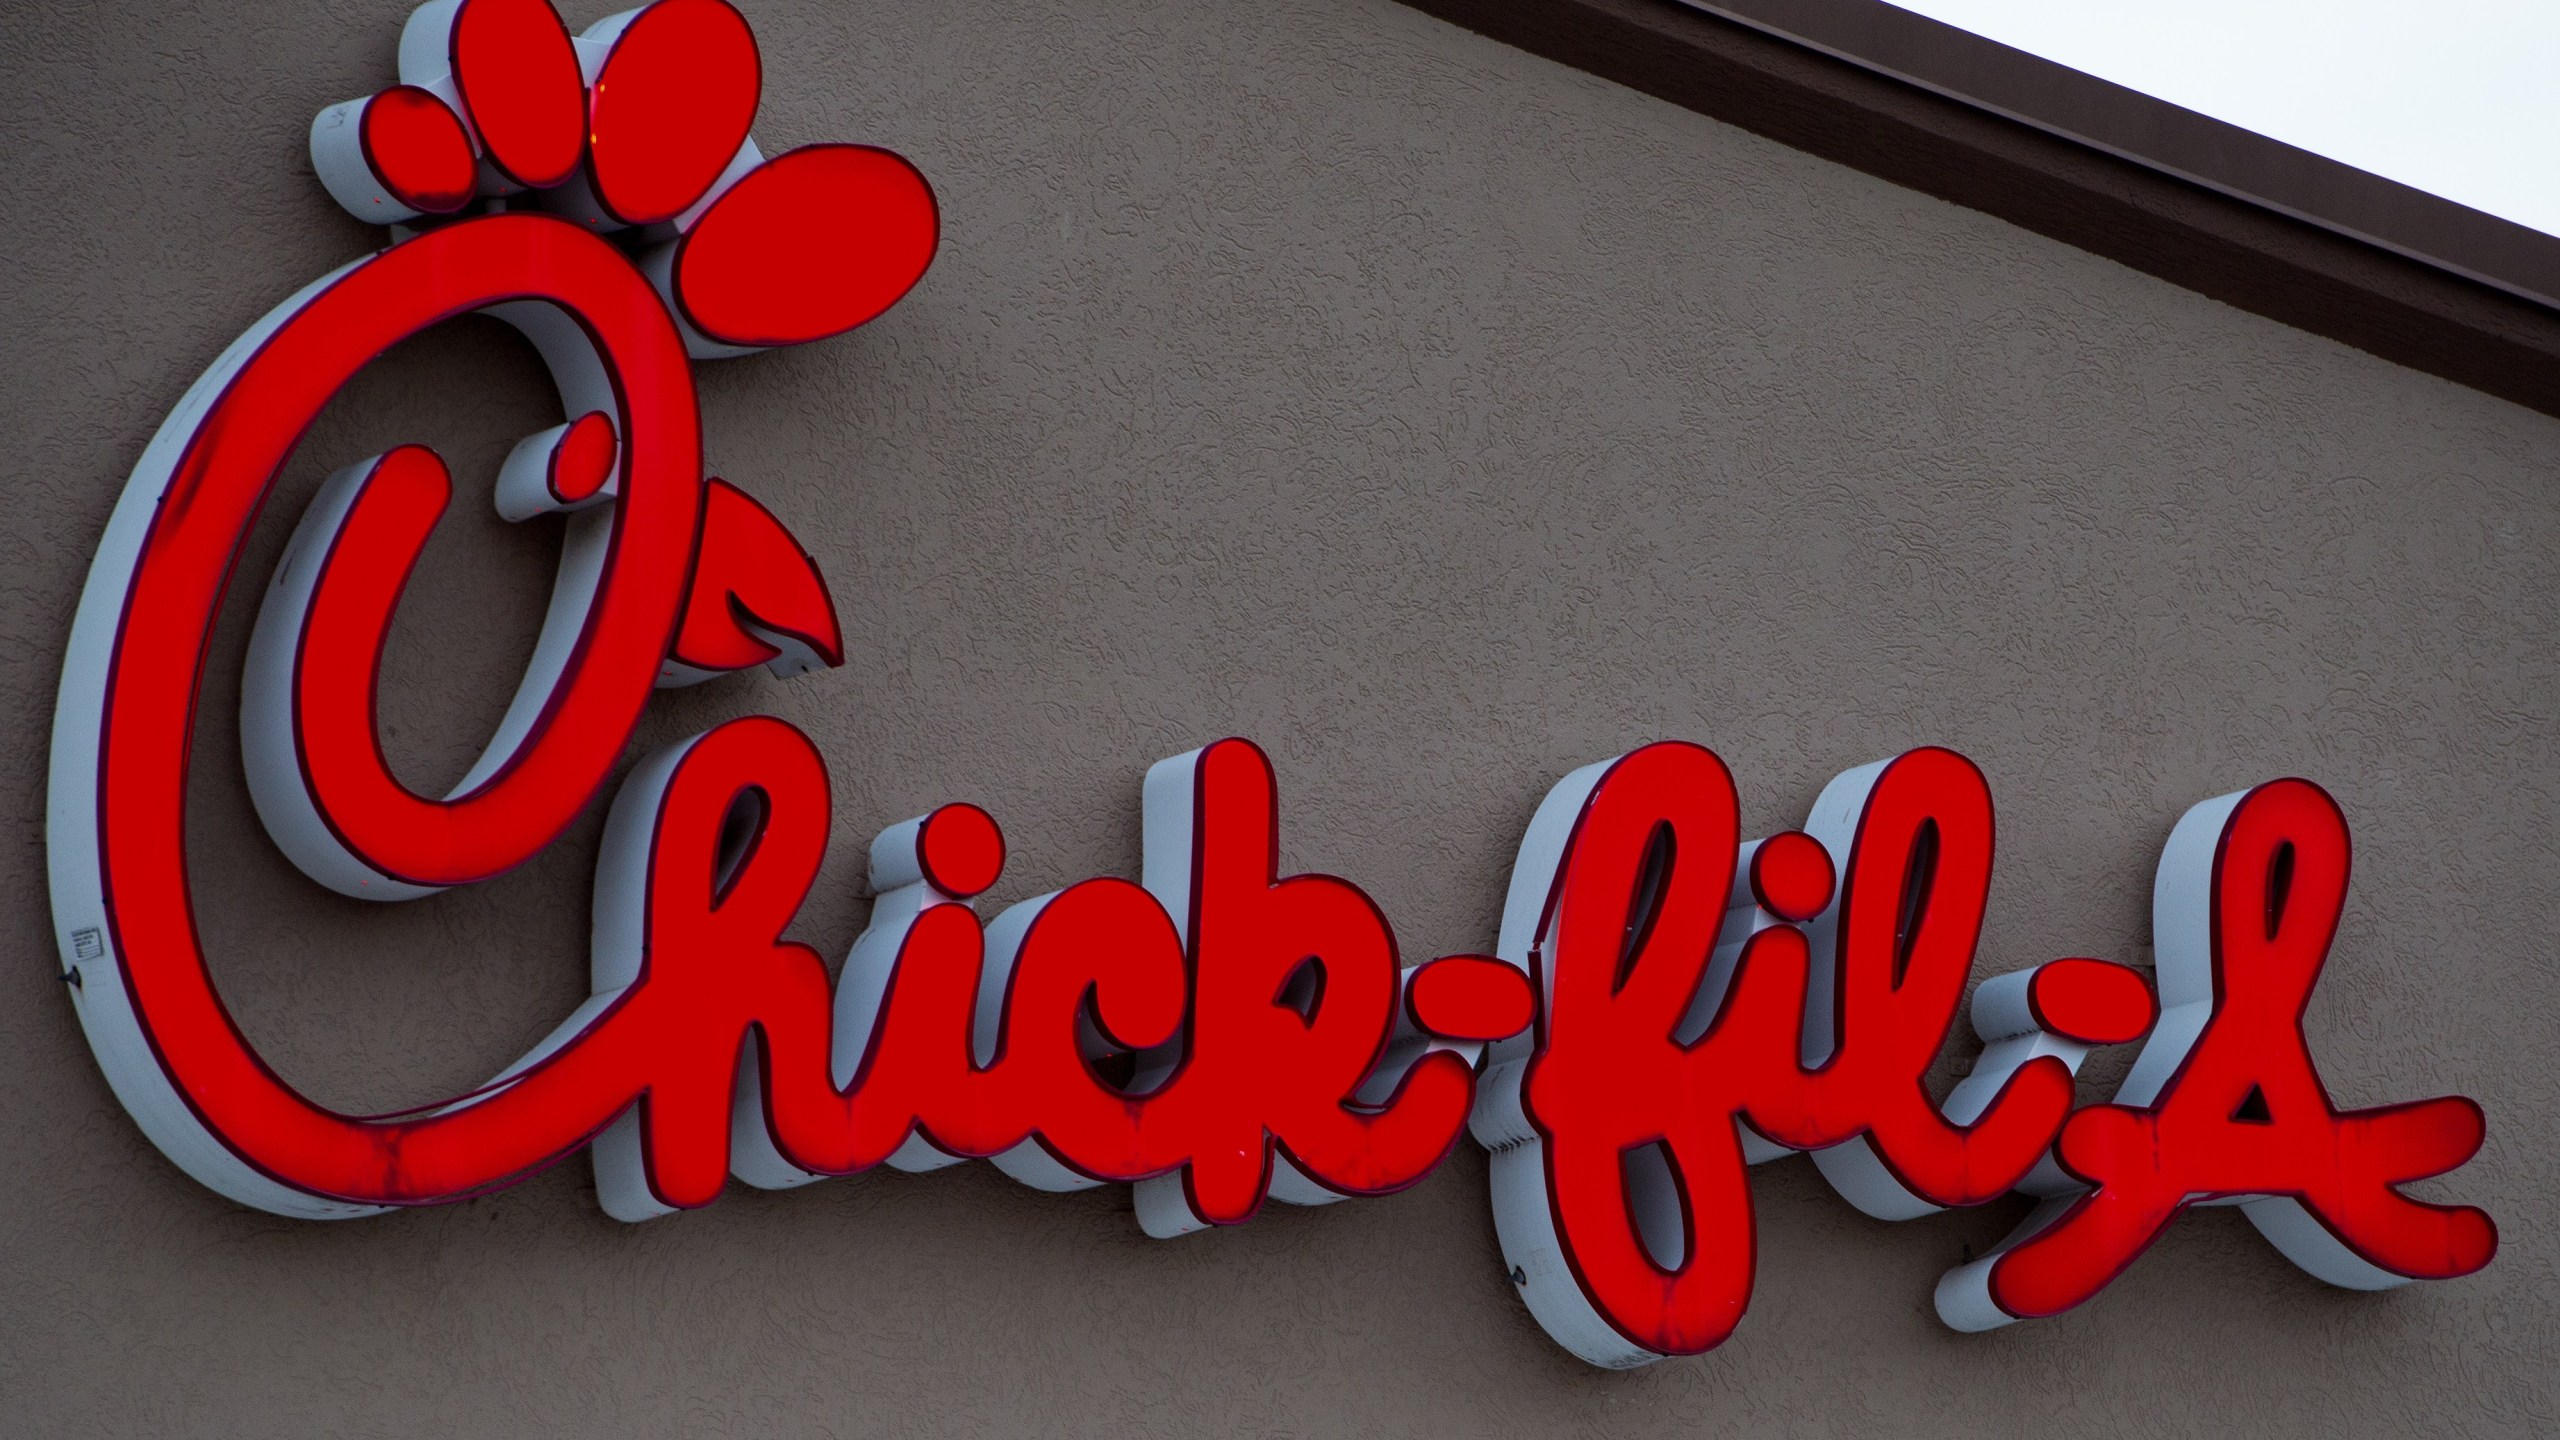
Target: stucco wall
[{"x": 1442, "y": 419}]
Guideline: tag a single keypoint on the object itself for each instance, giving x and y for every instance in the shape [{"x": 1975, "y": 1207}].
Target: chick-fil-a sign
[{"x": 1670, "y": 1003}]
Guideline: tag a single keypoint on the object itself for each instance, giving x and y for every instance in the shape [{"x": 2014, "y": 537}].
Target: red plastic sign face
[
  {"x": 1668, "y": 1005},
  {"x": 2224, "y": 1105}
]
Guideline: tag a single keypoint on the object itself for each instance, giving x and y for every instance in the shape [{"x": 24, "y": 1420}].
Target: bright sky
[{"x": 2458, "y": 97}]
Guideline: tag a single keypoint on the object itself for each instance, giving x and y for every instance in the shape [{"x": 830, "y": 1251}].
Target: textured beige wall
[{"x": 1442, "y": 419}]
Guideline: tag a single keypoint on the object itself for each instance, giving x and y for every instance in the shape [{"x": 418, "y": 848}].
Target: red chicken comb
[{"x": 638, "y": 128}]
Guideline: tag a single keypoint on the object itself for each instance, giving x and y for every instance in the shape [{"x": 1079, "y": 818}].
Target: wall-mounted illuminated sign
[{"x": 1669, "y": 1004}]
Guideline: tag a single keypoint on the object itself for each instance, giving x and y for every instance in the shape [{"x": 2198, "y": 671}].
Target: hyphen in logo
[{"x": 1669, "y": 1004}]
